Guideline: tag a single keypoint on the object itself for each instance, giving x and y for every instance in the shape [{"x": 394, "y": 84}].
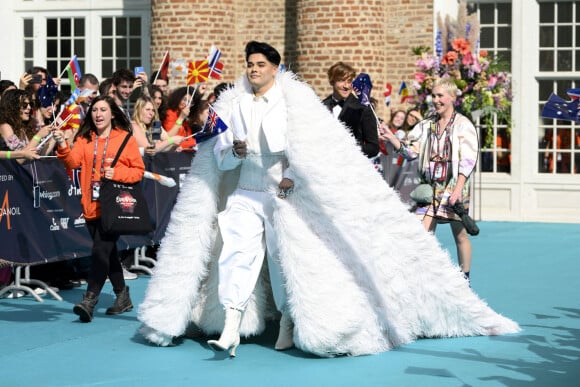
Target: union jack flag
[{"x": 213, "y": 126}]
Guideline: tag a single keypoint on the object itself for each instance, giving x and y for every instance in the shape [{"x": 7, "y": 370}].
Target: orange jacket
[{"x": 129, "y": 167}]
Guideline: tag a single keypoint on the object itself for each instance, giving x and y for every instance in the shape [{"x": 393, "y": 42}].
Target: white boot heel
[
  {"x": 286, "y": 334},
  {"x": 230, "y": 337}
]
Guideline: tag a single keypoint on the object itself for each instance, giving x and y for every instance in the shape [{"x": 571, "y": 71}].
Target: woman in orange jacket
[{"x": 95, "y": 147}]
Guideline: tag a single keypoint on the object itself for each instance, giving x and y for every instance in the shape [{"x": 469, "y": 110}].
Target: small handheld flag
[
  {"x": 213, "y": 126},
  {"x": 74, "y": 72},
  {"x": 178, "y": 67},
  {"x": 47, "y": 92},
  {"x": 198, "y": 72},
  {"x": 404, "y": 92},
  {"x": 164, "y": 68},
  {"x": 362, "y": 86},
  {"x": 214, "y": 64},
  {"x": 387, "y": 93},
  {"x": 560, "y": 109}
]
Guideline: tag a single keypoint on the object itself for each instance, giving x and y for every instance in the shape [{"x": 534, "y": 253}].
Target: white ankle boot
[
  {"x": 230, "y": 337},
  {"x": 286, "y": 334}
]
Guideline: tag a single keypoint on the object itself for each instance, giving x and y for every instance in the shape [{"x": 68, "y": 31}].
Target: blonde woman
[
  {"x": 447, "y": 148},
  {"x": 144, "y": 116}
]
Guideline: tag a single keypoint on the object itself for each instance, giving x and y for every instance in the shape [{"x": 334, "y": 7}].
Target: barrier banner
[
  {"x": 160, "y": 198},
  {"x": 41, "y": 218},
  {"x": 400, "y": 174}
]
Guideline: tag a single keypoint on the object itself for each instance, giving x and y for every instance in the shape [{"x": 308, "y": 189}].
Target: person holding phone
[{"x": 147, "y": 129}]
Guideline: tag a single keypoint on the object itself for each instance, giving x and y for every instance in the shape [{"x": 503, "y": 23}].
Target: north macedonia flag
[{"x": 197, "y": 72}]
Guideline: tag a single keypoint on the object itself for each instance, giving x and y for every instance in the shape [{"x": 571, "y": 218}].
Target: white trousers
[{"x": 247, "y": 234}]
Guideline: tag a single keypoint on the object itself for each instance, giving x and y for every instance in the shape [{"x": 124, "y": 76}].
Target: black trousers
[{"x": 104, "y": 261}]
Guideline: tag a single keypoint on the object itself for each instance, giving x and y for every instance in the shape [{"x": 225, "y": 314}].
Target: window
[
  {"x": 65, "y": 37},
  {"x": 120, "y": 44},
  {"x": 28, "y": 34},
  {"x": 559, "y": 59},
  {"x": 495, "y": 21}
]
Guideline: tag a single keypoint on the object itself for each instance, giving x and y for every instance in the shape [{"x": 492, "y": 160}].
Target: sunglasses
[{"x": 24, "y": 105}]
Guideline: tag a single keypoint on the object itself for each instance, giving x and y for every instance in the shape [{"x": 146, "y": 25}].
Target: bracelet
[
  {"x": 36, "y": 138},
  {"x": 179, "y": 122},
  {"x": 8, "y": 155},
  {"x": 170, "y": 140}
]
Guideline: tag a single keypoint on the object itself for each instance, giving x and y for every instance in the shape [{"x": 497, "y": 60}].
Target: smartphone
[
  {"x": 138, "y": 70},
  {"x": 36, "y": 78},
  {"x": 156, "y": 130}
]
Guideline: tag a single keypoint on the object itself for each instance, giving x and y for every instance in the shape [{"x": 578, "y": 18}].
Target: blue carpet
[{"x": 526, "y": 271}]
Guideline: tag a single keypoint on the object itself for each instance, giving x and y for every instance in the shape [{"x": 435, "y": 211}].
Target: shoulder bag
[{"x": 124, "y": 210}]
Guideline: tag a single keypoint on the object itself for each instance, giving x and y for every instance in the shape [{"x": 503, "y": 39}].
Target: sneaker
[{"x": 127, "y": 275}]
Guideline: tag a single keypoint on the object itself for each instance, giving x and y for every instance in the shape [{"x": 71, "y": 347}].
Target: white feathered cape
[{"x": 362, "y": 275}]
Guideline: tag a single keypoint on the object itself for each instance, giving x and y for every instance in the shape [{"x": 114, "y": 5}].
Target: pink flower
[
  {"x": 467, "y": 59},
  {"x": 419, "y": 77},
  {"x": 491, "y": 81}
]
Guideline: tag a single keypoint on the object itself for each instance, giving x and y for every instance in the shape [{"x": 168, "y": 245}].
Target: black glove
[{"x": 467, "y": 221}]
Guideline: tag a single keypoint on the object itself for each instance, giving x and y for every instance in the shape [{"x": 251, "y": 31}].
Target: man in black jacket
[{"x": 345, "y": 106}]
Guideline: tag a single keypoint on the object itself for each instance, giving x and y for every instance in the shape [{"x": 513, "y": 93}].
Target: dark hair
[
  {"x": 196, "y": 109},
  {"x": 105, "y": 86},
  {"x": 10, "y": 113},
  {"x": 119, "y": 119},
  {"x": 5, "y": 84},
  {"x": 157, "y": 75},
  {"x": 265, "y": 49},
  {"x": 162, "y": 109},
  {"x": 122, "y": 75},
  {"x": 177, "y": 95},
  {"x": 90, "y": 78}
]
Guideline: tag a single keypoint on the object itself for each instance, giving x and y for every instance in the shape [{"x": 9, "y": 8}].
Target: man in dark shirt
[{"x": 345, "y": 106}]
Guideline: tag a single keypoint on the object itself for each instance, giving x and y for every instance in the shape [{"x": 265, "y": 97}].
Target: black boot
[
  {"x": 122, "y": 302},
  {"x": 85, "y": 308}
]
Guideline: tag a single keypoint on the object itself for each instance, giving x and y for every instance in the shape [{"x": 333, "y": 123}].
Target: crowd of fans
[{"x": 162, "y": 120}]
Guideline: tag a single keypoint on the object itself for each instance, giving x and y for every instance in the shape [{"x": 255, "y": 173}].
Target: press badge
[
  {"x": 95, "y": 190},
  {"x": 440, "y": 171}
]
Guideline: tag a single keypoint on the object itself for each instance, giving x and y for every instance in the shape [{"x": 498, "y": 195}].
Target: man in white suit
[{"x": 256, "y": 145}]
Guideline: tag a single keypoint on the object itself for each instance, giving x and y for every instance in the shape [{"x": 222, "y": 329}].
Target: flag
[
  {"x": 74, "y": 72},
  {"x": 73, "y": 122},
  {"x": 404, "y": 92},
  {"x": 197, "y": 72},
  {"x": 79, "y": 95},
  {"x": 574, "y": 94},
  {"x": 47, "y": 92},
  {"x": 387, "y": 93},
  {"x": 164, "y": 68},
  {"x": 362, "y": 86},
  {"x": 178, "y": 67},
  {"x": 560, "y": 109},
  {"x": 214, "y": 64},
  {"x": 213, "y": 126}
]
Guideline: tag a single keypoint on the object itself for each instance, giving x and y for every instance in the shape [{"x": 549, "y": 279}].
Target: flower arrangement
[{"x": 484, "y": 85}]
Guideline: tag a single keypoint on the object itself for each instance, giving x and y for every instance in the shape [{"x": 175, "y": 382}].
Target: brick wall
[{"x": 374, "y": 36}]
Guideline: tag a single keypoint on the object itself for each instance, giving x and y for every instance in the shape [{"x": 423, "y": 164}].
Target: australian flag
[
  {"x": 47, "y": 92},
  {"x": 560, "y": 109},
  {"x": 362, "y": 86},
  {"x": 213, "y": 126}
]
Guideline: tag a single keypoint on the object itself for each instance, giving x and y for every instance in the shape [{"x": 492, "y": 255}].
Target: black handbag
[{"x": 124, "y": 210}]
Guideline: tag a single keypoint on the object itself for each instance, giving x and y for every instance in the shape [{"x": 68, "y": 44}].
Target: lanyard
[
  {"x": 102, "y": 170},
  {"x": 438, "y": 137}
]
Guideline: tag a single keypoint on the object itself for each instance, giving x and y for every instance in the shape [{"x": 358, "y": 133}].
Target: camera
[{"x": 156, "y": 130}]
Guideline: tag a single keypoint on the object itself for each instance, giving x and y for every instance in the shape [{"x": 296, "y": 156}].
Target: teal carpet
[{"x": 526, "y": 271}]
